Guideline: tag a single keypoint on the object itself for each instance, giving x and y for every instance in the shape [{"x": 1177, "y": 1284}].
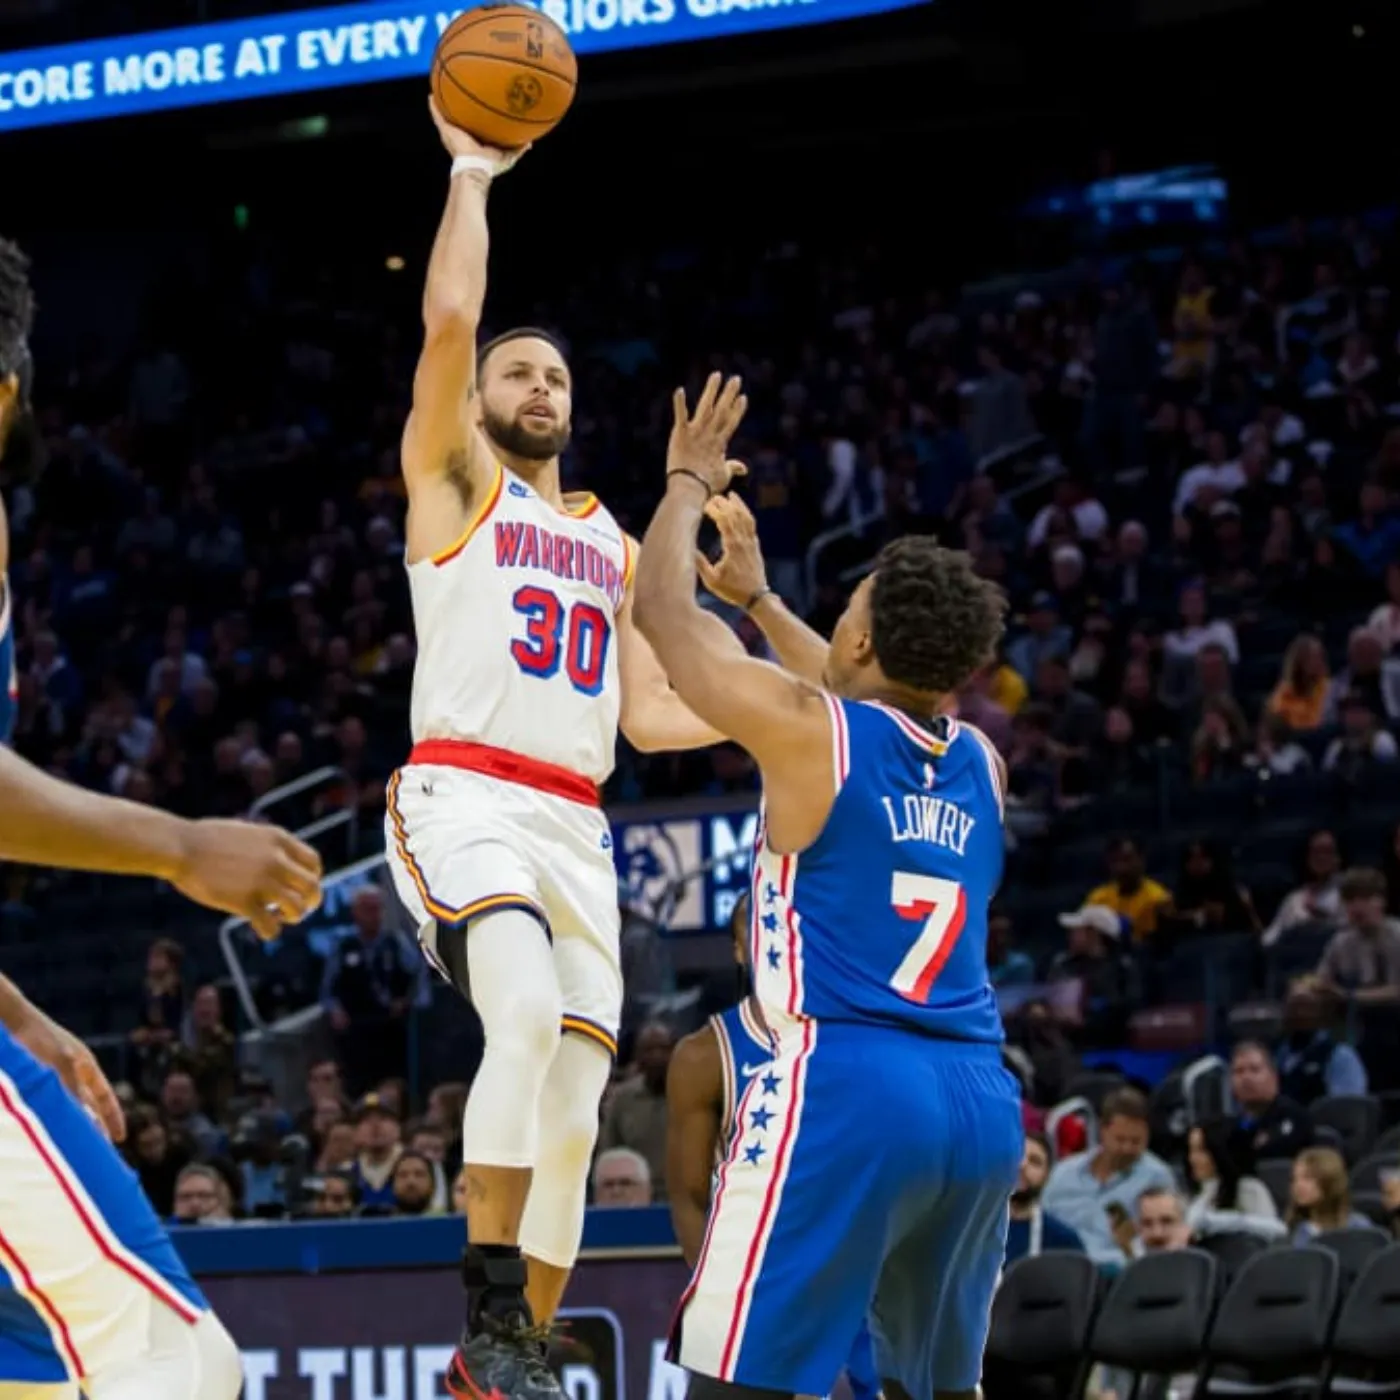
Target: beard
[
  {"x": 520, "y": 440},
  {"x": 1021, "y": 1198}
]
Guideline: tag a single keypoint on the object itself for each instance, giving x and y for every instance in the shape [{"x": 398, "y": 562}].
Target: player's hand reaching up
[
  {"x": 259, "y": 872},
  {"x": 463, "y": 143},
  {"x": 738, "y": 575},
  {"x": 700, "y": 440}
]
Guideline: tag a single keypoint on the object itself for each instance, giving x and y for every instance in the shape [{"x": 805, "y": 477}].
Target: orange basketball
[{"x": 504, "y": 73}]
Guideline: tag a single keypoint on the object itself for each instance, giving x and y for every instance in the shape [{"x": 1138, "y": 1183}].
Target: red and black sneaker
[{"x": 503, "y": 1359}]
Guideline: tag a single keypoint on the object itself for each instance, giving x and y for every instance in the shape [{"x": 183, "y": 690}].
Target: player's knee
[
  {"x": 570, "y": 1124},
  {"x": 220, "y": 1365}
]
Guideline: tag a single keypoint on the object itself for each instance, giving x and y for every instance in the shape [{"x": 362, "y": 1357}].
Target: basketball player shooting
[
  {"x": 528, "y": 661},
  {"x": 872, "y": 1160},
  {"x": 709, "y": 1074},
  {"x": 91, "y": 1289}
]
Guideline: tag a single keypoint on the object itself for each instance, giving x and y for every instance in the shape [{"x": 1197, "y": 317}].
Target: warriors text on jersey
[
  {"x": 884, "y": 917},
  {"x": 516, "y": 622}
]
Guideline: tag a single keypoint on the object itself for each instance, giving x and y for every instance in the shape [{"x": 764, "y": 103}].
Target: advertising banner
[
  {"x": 342, "y": 46},
  {"x": 388, "y": 1334}
]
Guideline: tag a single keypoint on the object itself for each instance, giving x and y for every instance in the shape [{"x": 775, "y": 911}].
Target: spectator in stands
[
  {"x": 257, "y": 1148},
  {"x": 377, "y": 1149},
  {"x": 415, "y": 1186},
  {"x": 636, "y": 1115},
  {"x": 1082, "y": 1188},
  {"x": 1045, "y": 636},
  {"x": 1362, "y": 744},
  {"x": 1300, "y": 697},
  {"x": 1228, "y": 1199},
  {"x": 1033, "y": 772},
  {"x": 1318, "y": 899},
  {"x": 1152, "y": 720},
  {"x": 1384, "y": 622},
  {"x": 1043, "y": 1046},
  {"x": 1320, "y": 1197},
  {"x": 1390, "y": 1196},
  {"x": 1129, "y": 892},
  {"x": 1362, "y": 961},
  {"x": 1277, "y": 754},
  {"x": 162, "y": 1013},
  {"x": 1267, "y": 1124},
  {"x": 1207, "y": 897},
  {"x": 1369, "y": 672},
  {"x": 1312, "y": 1062},
  {"x": 184, "y": 1117},
  {"x": 1158, "y": 1223},
  {"x": 1007, "y": 965},
  {"x": 371, "y": 980},
  {"x": 155, "y": 1159},
  {"x": 338, "y": 1198},
  {"x": 209, "y": 1050},
  {"x": 1031, "y": 1230},
  {"x": 1198, "y": 629},
  {"x": 324, "y": 1085},
  {"x": 1220, "y": 744},
  {"x": 621, "y": 1177},
  {"x": 1105, "y": 971},
  {"x": 198, "y": 1200}
]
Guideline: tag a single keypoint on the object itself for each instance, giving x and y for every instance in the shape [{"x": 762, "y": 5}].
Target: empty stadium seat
[
  {"x": 1040, "y": 1325},
  {"x": 1356, "y": 1117},
  {"x": 1364, "y": 1357},
  {"x": 1353, "y": 1248},
  {"x": 1157, "y": 1314},
  {"x": 1271, "y": 1333},
  {"x": 1232, "y": 1251},
  {"x": 1366, "y": 1174}
]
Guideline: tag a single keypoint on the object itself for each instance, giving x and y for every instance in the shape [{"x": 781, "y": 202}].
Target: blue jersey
[
  {"x": 9, "y": 686},
  {"x": 883, "y": 919},
  {"x": 744, "y": 1048}
]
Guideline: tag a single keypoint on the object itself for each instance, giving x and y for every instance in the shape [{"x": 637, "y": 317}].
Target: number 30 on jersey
[{"x": 575, "y": 637}]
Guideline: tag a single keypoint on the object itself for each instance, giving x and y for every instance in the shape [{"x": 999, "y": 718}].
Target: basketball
[{"x": 504, "y": 74}]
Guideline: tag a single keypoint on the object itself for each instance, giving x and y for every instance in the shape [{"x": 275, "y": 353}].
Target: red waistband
[{"x": 508, "y": 767}]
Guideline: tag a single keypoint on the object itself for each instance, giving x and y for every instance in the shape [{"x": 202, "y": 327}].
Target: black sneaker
[{"x": 503, "y": 1359}]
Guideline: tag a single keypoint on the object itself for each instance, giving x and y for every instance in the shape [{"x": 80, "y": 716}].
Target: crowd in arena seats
[{"x": 1184, "y": 471}]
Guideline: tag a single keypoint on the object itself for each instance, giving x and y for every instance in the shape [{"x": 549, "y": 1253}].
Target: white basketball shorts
[{"x": 471, "y": 829}]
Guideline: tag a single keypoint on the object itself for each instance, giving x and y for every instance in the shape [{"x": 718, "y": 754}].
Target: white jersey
[{"x": 515, "y": 630}]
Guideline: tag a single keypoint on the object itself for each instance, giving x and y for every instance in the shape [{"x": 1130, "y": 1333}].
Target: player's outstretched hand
[
  {"x": 259, "y": 872},
  {"x": 738, "y": 575},
  {"x": 75, "y": 1065},
  {"x": 463, "y": 143},
  {"x": 700, "y": 440}
]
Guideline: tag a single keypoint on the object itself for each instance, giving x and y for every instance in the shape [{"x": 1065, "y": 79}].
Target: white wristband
[{"x": 461, "y": 164}]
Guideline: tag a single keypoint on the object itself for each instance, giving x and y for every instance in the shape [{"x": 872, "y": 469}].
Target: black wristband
[
  {"x": 759, "y": 597},
  {"x": 694, "y": 476}
]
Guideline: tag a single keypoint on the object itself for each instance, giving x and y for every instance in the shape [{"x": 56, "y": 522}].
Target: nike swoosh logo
[{"x": 754, "y": 1069}]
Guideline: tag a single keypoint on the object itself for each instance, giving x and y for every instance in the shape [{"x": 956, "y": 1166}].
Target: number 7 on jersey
[{"x": 941, "y": 905}]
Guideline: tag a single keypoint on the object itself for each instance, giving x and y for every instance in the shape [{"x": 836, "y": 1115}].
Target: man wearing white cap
[{"x": 1096, "y": 958}]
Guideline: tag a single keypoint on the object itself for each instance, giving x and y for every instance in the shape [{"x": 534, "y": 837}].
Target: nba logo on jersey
[
  {"x": 519, "y": 490},
  {"x": 930, "y": 777}
]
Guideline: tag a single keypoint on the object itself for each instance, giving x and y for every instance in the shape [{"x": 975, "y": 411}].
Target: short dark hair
[
  {"x": 934, "y": 620},
  {"x": 518, "y": 333},
  {"x": 1125, "y": 1103},
  {"x": 1362, "y": 882},
  {"x": 16, "y": 310}
]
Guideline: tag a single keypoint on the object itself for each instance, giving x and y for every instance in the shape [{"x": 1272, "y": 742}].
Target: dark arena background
[{"x": 1106, "y": 293}]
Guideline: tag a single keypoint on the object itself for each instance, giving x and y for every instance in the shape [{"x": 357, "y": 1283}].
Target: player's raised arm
[
  {"x": 445, "y": 462},
  {"x": 694, "y": 1102},
  {"x": 739, "y": 578},
  {"x": 258, "y": 872},
  {"x": 653, "y": 717},
  {"x": 779, "y": 718}
]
